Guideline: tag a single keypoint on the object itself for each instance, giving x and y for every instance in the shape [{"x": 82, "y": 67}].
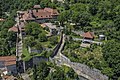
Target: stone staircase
[{"x": 19, "y": 50}]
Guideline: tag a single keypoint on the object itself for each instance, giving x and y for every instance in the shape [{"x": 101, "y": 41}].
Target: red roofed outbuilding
[
  {"x": 14, "y": 29},
  {"x": 88, "y": 35}
]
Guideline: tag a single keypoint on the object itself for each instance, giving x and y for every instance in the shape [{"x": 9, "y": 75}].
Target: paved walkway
[
  {"x": 91, "y": 41},
  {"x": 78, "y": 32}
]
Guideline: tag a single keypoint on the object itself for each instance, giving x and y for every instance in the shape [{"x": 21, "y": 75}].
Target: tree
[
  {"x": 59, "y": 72},
  {"x": 29, "y": 41},
  {"x": 104, "y": 9},
  {"x": 45, "y": 3},
  {"x": 82, "y": 7},
  {"x": 72, "y": 75},
  {"x": 38, "y": 46},
  {"x": 64, "y": 16},
  {"x": 7, "y": 43},
  {"x": 68, "y": 29},
  {"x": 93, "y": 9},
  {"x": 75, "y": 17},
  {"x": 111, "y": 53},
  {"x": 41, "y": 71},
  {"x": 53, "y": 40},
  {"x": 42, "y": 37},
  {"x": 108, "y": 71},
  {"x": 84, "y": 19},
  {"x": 81, "y": 19},
  {"x": 33, "y": 29}
]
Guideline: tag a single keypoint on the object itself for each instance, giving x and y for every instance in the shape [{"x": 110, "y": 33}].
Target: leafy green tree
[
  {"x": 38, "y": 46},
  {"x": 41, "y": 71},
  {"x": 68, "y": 29},
  {"x": 42, "y": 37},
  {"x": 80, "y": 19},
  {"x": 33, "y": 29},
  {"x": 29, "y": 40},
  {"x": 7, "y": 43},
  {"x": 84, "y": 19},
  {"x": 53, "y": 40},
  {"x": 82, "y": 7},
  {"x": 75, "y": 17},
  {"x": 104, "y": 9},
  {"x": 111, "y": 53},
  {"x": 45, "y": 3},
  {"x": 59, "y": 72},
  {"x": 108, "y": 71},
  {"x": 64, "y": 16},
  {"x": 72, "y": 75},
  {"x": 93, "y": 9}
]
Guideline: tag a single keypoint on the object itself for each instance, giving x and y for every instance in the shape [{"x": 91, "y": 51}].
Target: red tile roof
[
  {"x": 42, "y": 14},
  {"x": 14, "y": 29},
  {"x": 39, "y": 14},
  {"x": 52, "y": 11},
  {"x": 9, "y": 60},
  {"x": 88, "y": 35}
]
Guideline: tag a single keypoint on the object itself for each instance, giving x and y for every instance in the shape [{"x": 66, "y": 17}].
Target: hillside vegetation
[{"x": 99, "y": 16}]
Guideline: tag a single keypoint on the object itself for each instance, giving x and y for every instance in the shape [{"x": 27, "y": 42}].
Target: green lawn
[
  {"x": 47, "y": 43},
  {"x": 66, "y": 69},
  {"x": 76, "y": 36},
  {"x": 26, "y": 54}
]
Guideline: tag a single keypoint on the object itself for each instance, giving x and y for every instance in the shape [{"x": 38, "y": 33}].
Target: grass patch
[
  {"x": 26, "y": 55},
  {"x": 66, "y": 69},
  {"x": 45, "y": 44}
]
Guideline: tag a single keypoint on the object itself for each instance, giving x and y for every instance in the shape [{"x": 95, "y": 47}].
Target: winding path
[{"x": 80, "y": 69}]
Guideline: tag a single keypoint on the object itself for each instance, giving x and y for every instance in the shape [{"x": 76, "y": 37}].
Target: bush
[
  {"x": 53, "y": 40},
  {"x": 42, "y": 37}
]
